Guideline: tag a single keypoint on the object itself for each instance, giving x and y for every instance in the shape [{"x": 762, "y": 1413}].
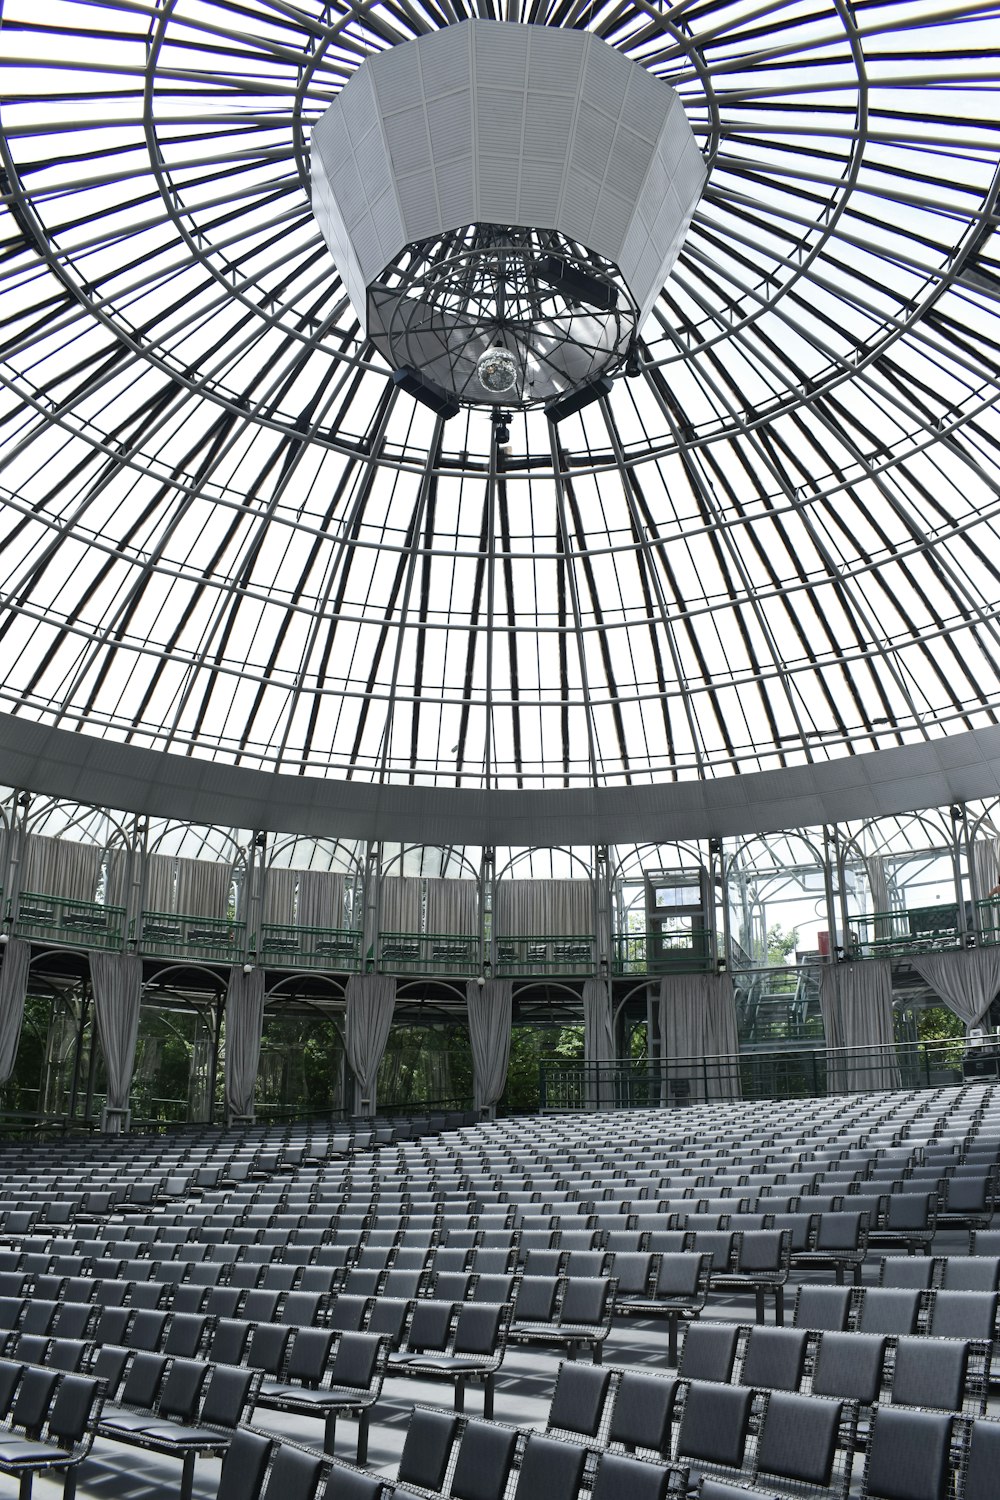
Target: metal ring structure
[{"x": 224, "y": 534}]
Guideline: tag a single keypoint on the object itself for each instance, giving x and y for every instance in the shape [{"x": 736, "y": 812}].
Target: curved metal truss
[
  {"x": 225, "y": 533},
  {"x": 563, "y": 313}
]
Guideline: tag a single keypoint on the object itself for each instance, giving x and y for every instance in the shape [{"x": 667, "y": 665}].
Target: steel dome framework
[{"x": 224, "y": 533}]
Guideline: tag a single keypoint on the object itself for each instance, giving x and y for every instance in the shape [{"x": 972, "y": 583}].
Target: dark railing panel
[
  {"x": 337, "y": 948},
  {"x": 84, "y": 924}
]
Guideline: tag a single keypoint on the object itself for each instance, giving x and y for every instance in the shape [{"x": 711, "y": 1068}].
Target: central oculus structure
[{"x": 504, "y": 202}]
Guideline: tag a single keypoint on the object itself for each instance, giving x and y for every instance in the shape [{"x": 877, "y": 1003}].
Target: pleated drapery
[
  {"x": 700, "y": 1036},
  {"x": 968, "y": 982},
  {"x": 159, "y": 887},
  {"x": 543, "y": 908},
  {"x": 490, "y": 1007},
  {"x": 13, "y": 991},
  {"x": 116, "y": 879},
  {"x": 279, "y": 897},
  {"x": 320, "y": 899},
  {"x": 203, "y": 888},
  {"x": 453, "y": 907},
  {"x": 856, "y": 1001},
  {"x": 59, "y": 867},
  {"x": 400, "y": 904},
  {"x": 986, "y": 862},
  {"x": 117, "y": 980},
  {"x": 244, "y": 1027},
  {"x": 598, "y": 1043},
  {"x": 371, "y": 999},
  {"x": 879, "y": 888}
]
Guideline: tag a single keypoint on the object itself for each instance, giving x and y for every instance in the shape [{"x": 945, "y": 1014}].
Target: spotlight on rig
[{"x": 577, "y": 399}]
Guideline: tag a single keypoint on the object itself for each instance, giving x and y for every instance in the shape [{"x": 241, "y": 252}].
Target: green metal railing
[
  {"x": 85, "y": 924},
  {"x": 428, "y": 953},
  {"x": 801, "y": 1072},
  {"x": 176, "y": 934},
  {"x": 934, "y": 929},
  {"x": 684, "y": 953},
  {"x": 544, "y": 955},
  {"x": 336, "y": 948}
]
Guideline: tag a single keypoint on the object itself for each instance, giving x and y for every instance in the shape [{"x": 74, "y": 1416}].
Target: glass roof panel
[{"x": 224, "y": 533}]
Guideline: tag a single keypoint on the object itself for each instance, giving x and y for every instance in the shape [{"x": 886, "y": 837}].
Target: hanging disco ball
[{"x": 497, "y": 370}]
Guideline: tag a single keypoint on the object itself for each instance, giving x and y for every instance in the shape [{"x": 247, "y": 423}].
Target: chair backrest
[
  {"x": 389, "y": 1316},
  {"x": 823, "y": 1307},
  {"x": 356, "y": 1361},
  {"x": 851, "y": 1365},
  {"x": 969, "y": 1273},
  {"x": 244, "y": 1466},
  {"x": 715, "y": 1423},
  {"x": 485, "y": 1458},
  {"x": 268, "y": 1346},
  {"x": 906, "y": 1271},
  {"x": 774, "y": 1358},
  {"x": 619, "y": 1478},
  {"x": 549, "y": 1468},
  {"x": 842, "y": 1230},
  {"x": 427, "y": 1448},
  {"x": 888, "y": 1309},
  {"x": 227, "y": 1396},
  {"x": 642, "y": 1412},
  {"x": 77, "y": 1403},
  {"x": 709, "y": 1351},
  {"x": 968, "y": 1315},
  {"x": 430, "y": 1327},
  {"x": 587, "y": 1300},
  {"x": 578, "y": 1399},
  {"x": 181, "y": 1389},
  {"x": 908, "y": 1455},
  {"x": 536, "y": 1299},
  {"x": 144, "y": 1378},
  {"x": 983, "y": 1461},
  {"x": 764, "y": 1250},
  {"x": 294, "y": 1475},
  {"x": 349, "y": 1313},
  {"x": 799, "y": 1439},
  {"x": 930, "y": 1373},
  {"x": 480, "y": 1328}
]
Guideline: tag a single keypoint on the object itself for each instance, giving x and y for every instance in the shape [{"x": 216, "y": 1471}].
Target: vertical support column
[
  {"x": 373, "y": 901},
  {"x": 487, "y": 937},
  {"x": 253, "y": 904},
  {"x": 602, "y": 910},
  {"x": 138, "y": 881},
  {"x": 829, "y": 861},
  {"x": 19, "y": 841},
  {"x": 839, "y": 874},
  {"x": 960, "y": 841},
  {"x": 78, "y": 1055},
  {"x": 717, "y": 871}
]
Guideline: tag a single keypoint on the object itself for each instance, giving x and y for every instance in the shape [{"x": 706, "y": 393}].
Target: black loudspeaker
[
  {"x": 577, "y": 399},
  {"x": 428, "y": 392}
]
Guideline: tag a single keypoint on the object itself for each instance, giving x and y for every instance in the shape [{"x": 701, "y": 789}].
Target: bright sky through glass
[{"x": 223, "y": 533}]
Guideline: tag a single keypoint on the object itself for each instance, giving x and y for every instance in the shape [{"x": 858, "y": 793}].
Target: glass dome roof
[{"x": 225, "y": 533}]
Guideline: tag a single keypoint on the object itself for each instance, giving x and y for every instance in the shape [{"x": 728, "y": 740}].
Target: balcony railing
[
  {"x": 84, "y": 924},
  {"x": 179, "y": 935},
  {"x": 927, "y": 929},
  {"x": 428, "y": 953},
  {"x": 804, "y": 1072},
  {"x": 336, "y": 948},
  {"x": 545, "y": 955}
]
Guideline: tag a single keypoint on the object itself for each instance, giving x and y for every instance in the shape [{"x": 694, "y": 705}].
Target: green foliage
[
  {"x": 781, "y": 945},
  {"x": 529, "y": 1046}
]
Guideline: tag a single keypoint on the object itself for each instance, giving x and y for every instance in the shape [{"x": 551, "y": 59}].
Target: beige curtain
[
  {"x": 967, "y": 982},
  {"x": 543, "y": 908},
  {"x": 60, "y": 867},
  {"x": 490, "y": 1006},
  {"x": 279, "y": 897},
  {"x": 371, "y": 999},
  {"x": 453, "y": 907},
  {"x": 320, "y": 901},
  {"x": 700, "y": 1037},
  {"x": 856, "y": 1002},
  {"x": 399, "y": 909}
]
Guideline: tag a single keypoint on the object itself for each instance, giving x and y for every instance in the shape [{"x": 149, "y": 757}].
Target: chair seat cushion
[{"x": 20, "y": 1452}]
